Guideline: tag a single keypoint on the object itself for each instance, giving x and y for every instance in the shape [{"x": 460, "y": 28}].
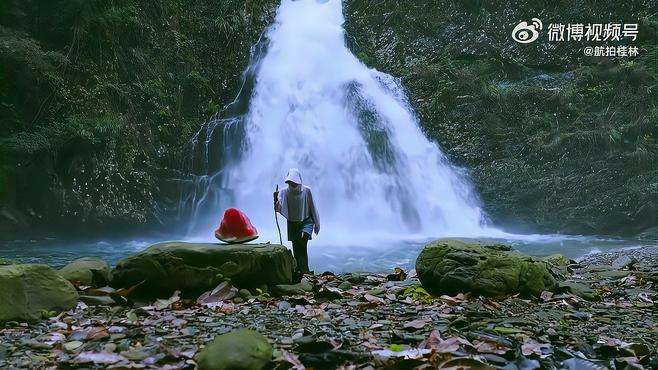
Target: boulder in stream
[
  {"x": 29, "y": 292},
  {"x": 87, "y": 271},
  {"x": 484, "y": 267},
  {"x": 194, "y": 268}
]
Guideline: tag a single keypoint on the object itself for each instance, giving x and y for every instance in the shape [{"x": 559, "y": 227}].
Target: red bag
[{"x": 235, "y": 227}]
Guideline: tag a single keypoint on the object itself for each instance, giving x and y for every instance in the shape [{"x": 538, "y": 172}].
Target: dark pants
[
  {"x": 301, "y": 254},
  {"x": 299, "y": 233}
]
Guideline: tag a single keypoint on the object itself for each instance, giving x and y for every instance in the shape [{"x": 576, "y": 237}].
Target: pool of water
[{"x": 378, "y": 257}]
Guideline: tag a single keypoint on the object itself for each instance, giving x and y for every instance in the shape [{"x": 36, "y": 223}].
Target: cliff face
[
  {"x": 555, "y": 141},
  {"x": 98, "y": 99}
]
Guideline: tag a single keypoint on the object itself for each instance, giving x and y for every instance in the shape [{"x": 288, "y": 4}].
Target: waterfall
[{"x": 308, "y": 102}]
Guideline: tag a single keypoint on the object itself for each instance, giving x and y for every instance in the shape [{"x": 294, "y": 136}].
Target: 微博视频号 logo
[
  {"x": 526, "y": 33},
  {"x": 602, "y": 33}
]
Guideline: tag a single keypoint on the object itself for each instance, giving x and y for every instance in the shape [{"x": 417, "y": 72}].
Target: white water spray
[{"x": 351, "y": 132}]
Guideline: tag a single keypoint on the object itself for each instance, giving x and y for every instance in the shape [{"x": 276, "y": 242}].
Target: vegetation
[
  {"x": 98, "y": 98},
  {"x": 555, "y": 141}
]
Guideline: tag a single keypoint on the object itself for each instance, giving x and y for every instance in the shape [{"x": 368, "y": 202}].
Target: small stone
[
  {"x": 293, "y": 289},
  {"x": 345, "y": 285},
  {"x": 578, "y": 289},
  {"x": 283, "y": 305},
  {"x": 135, "y": 354},
  {"x": 623, "y": 261},
  {"x": 110, "y": 347},
  {"x": 245, "y": 294},
  {"x": 72, "y": 346},
  {"x": 578, "y": 315}
]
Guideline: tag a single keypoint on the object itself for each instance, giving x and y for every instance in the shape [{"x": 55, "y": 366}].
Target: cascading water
[{"x": 348, "y": 128}]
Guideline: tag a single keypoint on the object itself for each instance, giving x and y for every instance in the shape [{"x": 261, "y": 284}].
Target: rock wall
[{"x": 555, "y": 141}]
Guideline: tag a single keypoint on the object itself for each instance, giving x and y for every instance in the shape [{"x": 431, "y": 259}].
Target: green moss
[
  {"x": 449, "y": 266},
  {"x": 239, "y": 349}
]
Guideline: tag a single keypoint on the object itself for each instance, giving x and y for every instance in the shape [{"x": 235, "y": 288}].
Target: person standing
[{"x": 296, "y": 204}]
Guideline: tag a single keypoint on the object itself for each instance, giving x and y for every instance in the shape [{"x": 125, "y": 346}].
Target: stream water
[
  {"x": 382, "y": 188},
  {"x": 349, "y": 257}
]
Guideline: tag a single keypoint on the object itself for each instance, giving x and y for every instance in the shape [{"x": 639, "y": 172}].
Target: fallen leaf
[
  {"x": 222, "y": 292},
  {"x": 373, "y": 299},
  {"x": 490, "y": 347},
  {"x": 51, "y": 338},
  {"x": 397, "y": 275},
  {"x": 291, "y": 359},
  {"x": 412, "y": 353},
  {"x": 530, "y": 347},
  {"x": 96, "y": 333},
  {"x": 104, "y": 358},
  {"x": 124, "y": 292},
  {"x": 417, "y": 324},
  {"x": 506, "y": 330},
  {"x": 161, "y": 304}
]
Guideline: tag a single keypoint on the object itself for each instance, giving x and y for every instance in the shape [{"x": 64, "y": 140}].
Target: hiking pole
[{"x": 276, "y": 217}]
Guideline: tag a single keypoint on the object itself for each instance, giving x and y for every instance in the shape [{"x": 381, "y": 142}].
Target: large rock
[
  {"x": 241, "y": 349},
  {"x": 482, "y": 267},
  {"x": 28, "y": 291},
  {"x": 88, "y": 271},
  {"x": 194, "y": 268}
]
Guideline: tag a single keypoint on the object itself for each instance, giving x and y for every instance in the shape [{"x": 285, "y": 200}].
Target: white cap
[{"x": 294, "y": 176}]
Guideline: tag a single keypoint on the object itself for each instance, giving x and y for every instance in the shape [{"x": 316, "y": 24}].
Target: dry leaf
[
  {"x": 161, "y": 304},
  {"x": 417, "y": 324},
  {"x": 222, "y": 292},
  {"x": 372, "y": 298},
  {"x": 104, "y": 358}
]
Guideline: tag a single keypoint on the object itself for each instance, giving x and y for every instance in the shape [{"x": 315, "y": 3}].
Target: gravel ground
[{"x": 363, "y": 321}]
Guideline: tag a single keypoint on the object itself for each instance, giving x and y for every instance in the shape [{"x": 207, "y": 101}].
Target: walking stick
[{"x": 276, "y": 217}]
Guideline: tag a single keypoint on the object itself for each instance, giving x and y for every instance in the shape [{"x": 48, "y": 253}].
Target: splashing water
[{"x": 350, "y": 131}]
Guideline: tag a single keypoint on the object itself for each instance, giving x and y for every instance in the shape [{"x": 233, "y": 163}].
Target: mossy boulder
[
  {"x": 194, "y": 268},
  {"x": 29, "y": 292},
  {"x": 6, "y": 261},
  {"x": 483, "y": 267},
  {"x": 88, "y": 271},
  {"x": 241, "y": 349}
]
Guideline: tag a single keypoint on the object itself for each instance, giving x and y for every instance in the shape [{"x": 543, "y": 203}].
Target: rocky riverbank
[{"x": 599, "y": 314}]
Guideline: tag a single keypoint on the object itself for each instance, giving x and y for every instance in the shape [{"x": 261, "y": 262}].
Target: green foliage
[
  {"x": 100, "y": 98},
  {"x": 417, "y": 293}
]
